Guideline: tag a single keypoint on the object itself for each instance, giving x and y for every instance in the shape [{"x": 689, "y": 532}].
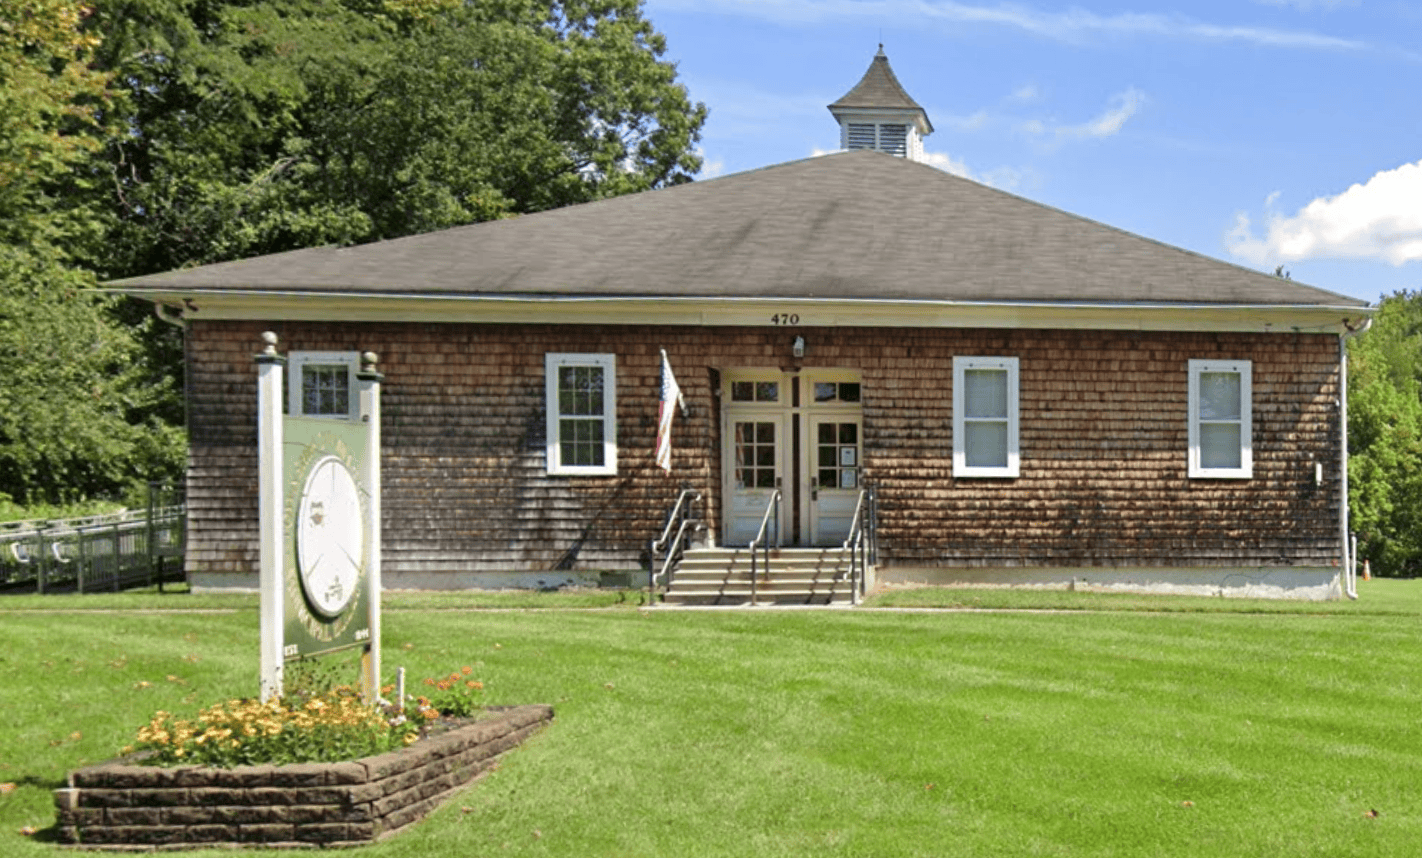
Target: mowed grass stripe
[{"x": 830, "y": 733}]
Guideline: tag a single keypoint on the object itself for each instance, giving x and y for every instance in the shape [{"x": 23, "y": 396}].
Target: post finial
[{"x": 270, "y": 338}]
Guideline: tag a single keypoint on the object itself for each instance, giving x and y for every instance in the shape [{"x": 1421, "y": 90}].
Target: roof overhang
[{"x": 266, "y": 305}]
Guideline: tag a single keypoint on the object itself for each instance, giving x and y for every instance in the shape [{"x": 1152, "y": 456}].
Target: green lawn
[{"x": 1103, "y": 726}]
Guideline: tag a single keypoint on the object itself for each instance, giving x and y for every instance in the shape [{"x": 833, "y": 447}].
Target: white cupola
[{"x": 878, "y": 114}]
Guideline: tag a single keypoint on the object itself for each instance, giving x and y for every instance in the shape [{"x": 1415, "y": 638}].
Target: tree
[
  {"x": 264, "y": 126},
  {"x": 67, "y": 396},
  {"x": 1385, "y": 437}
]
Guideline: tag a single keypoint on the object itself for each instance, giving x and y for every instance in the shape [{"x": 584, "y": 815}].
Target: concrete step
[{"x": 792, "y": 576}]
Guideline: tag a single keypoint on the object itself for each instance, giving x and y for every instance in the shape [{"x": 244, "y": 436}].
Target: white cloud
[
  {"x": 946, "y": 163},
  {"x": 1379, "y": 220},
  {"x": 1073, "y": 25},
  {"x": 1109, "y": 123},
  {"x": 1123, "y": 106}
]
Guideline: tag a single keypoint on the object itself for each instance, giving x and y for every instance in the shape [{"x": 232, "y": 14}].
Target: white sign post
[{"x": 270, "y": 366}]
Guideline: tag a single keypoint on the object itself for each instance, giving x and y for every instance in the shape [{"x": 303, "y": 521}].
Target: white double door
[{"x": 800, "y": 433}]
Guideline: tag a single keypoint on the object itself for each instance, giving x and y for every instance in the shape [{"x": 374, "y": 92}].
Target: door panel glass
[
  {"x": 755, "y": 455},
  {"x": 837, "y": 455}
]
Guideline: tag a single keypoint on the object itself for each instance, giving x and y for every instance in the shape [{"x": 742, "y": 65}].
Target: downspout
[
  {"x": 1350, "y": 561},
  {"x": 176, "y": 320}
]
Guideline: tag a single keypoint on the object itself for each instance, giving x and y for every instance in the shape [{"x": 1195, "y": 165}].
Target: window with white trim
[
  {"x": 1221, "y": 442},
  {"x": 581, "y": 394},
  {"x": 985, "y": 442},
  {"x": 322, "y": 384}
]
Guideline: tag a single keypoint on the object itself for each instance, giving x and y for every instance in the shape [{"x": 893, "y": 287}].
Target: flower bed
[{"x": 127, "y": 807}]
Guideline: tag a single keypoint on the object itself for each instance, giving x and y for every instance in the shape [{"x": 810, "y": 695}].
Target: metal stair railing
[
  {"x": 861, "y": 542},
  {"x": 671, "y": 545},
  {"x": 772, "y": 511}
]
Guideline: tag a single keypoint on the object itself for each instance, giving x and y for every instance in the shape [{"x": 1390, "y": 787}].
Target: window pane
[
  {"x": 824, "y": 391},
  {"x": 985, "y": 393},
  {"x": 742, "y": 391},
  {"x": 985, "y": 444},
  {"x": 1219, "y": 396},
  {"x": 580, "y": 391},
  {"x": 580, "y": 442},
  {"x": 829, "y": 457},
  {"x": 849, "y": 392},
  {"x": 1219, "y": 445},
  {"x": 767, "y": 391},
  {"x": 829, "y": 478},
  {"x": 849, "y": 433},
  {"x": 325, "y": 390}
]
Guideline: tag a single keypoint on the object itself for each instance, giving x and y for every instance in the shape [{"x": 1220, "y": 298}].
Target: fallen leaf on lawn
[
  {"x": 1371, "y": 814},
  {"x": 1187, "y": 804},
  {"x": 29, "y": 831},
  {"x": 76, "y": 736},
  {"x": 929, "y": 786},
  {"x": 143, "y": 683}
]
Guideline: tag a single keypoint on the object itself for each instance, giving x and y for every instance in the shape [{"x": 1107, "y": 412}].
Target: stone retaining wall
[{"x": 129, "y": 808}]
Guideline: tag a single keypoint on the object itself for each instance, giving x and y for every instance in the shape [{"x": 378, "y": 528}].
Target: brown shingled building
[{"x": 994, "y": 390}]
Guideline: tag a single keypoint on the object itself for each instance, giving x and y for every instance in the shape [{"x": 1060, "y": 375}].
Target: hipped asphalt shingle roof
[{"x": 851, "y": 225}]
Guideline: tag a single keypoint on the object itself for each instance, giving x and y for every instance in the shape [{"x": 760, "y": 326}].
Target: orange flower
[
  {"x": 475, "y": 684},
  {"x": 466, "y": 670}
]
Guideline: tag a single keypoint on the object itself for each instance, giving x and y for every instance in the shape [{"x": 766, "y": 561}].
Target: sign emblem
[{"x": 330, "y": 538}]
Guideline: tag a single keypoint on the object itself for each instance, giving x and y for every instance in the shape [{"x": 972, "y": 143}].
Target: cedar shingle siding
[{"x": 1103, "y": 445}]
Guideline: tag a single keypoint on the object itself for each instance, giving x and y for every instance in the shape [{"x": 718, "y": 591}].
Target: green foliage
[
  {"x": 145, "y": 135},
  {"x": 1385, "y": 437},
  {"x": 274, "y": 125},
  {"x": 72, "y": 407}
]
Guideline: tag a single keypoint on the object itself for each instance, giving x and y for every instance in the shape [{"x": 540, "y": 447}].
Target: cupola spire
[{"x": 878, "y": 114}]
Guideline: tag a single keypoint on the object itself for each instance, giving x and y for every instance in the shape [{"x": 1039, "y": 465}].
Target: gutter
[{"x": 1350, "y": 551}]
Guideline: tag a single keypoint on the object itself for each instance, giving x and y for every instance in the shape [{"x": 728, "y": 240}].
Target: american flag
[{"x": 671, "y": 398}]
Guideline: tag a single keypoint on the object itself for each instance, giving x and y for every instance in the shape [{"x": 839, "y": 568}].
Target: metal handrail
[
  {"x": 860, "y": 542},
  {"x": 681, "y": 519},
  {"x": 772, "y": 509},
  {"x": 687, "y": 495},
  {"x": 91, "y": 552}
]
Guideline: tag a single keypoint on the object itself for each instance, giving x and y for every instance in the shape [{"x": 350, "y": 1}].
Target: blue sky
[{"x": 1261, "y": 132}]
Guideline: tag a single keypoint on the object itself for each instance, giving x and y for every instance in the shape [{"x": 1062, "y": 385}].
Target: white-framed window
[
  {"x": 322, "y": 384},
  {"x": 985, "y": 432},
  {"x": 1221, "y": 442},
  {"x": 581, "y": 393}
]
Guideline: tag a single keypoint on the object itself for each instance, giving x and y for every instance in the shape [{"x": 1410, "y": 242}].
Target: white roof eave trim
[{"x": 294, "y": 305}]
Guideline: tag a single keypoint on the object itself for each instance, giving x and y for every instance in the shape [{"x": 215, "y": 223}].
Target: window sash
[
  {"x": 581, "y": 402},
  {"x": 322, "y": 384},
  {"x": 985, "y": 417},
  {"x": 1220, "y": 420}
]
